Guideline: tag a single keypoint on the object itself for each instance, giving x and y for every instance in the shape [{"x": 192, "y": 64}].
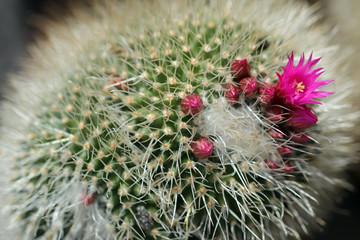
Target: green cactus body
[{"x": 113, "y": 136}]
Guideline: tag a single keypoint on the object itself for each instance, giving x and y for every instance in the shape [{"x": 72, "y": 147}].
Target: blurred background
[{"x": 17, "y": 30}]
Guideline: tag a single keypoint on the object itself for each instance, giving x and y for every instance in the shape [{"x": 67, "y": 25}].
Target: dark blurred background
[{"x": 17, "y": 31}]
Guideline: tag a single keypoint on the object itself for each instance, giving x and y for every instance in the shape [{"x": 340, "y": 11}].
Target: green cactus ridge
[{"x": 110, "y": 150}]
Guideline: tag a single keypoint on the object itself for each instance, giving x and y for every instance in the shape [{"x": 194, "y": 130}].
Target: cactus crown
[{"x": 143, "y": 138}]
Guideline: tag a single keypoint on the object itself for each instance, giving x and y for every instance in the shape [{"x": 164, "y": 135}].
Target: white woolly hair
[
  {"x": 238, "y": 133},
  {"x": 235, "y": 132}
]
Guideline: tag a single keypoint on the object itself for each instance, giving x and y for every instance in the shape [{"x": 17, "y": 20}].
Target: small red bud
[
  {"x": 232, "y": 93},
  {"x": 118, "y": 82},
  {"x": 240, "y": 69},
  {"x": 266, "y": 94},
  {"x": 192, "y": 104},
  {"x": 288, "y": 168},
  {"x": 301, "y": 118},
  {"x": 202, "y": 148},
  {"x": 248, "y": 86},
  {"x": 299, "y": 137},
  {"x": 270, "y": 164},
  {"x": 87, "y": 199},
  {"x": 275, "y": 134},
  {"x": 275, "y": 114},
  {"x": 284, "y": 151}
]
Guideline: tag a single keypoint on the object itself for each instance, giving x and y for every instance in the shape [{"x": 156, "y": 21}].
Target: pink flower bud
[
  {"x": 192, "y": 104},
  {"x": 270, "y": 164},
  {"x": 202, "y": 148},
  {"x": 288, "y": 168},
  {"x": 240, "y": 69},
  {"x": 118, "y": 82},
  {"x": 87, "y": 199},
  {"x": 301, "y": 118},
  {"x": 232, "y": 93},
  {"x": 248, "y": 86},
  {"x": 299, "y": 137},
  {"x": 266, "y": 94},
  {"x": 284, "y": 151},
  {"x": 275, "y": 113},
  {"x": 275, "y": 134}
]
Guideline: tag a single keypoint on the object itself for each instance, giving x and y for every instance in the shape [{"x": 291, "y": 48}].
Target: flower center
[{"x": 298, "y": 87}]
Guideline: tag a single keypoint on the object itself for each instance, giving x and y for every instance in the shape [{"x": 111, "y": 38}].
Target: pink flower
[
  {"x": 297, "y": 85},
  {"x": 202, "y": 148},
  {"x": 301, "y": 118},
  {"x": 240, "y": 69},
  {"x": 192, "y": 104}
]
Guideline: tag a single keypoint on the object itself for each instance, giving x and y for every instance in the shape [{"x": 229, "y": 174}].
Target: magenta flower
[
  {"x": 301, "y": 118},
  {"x": 297, "y": 85}
]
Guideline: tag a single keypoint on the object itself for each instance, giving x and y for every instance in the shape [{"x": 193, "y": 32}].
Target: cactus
[{"x": 177, "y": 125}]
